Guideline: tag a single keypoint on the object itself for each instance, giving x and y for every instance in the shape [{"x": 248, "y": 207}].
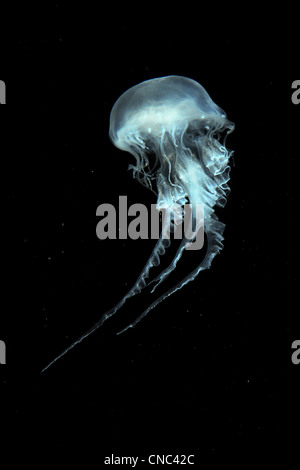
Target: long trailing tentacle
[
  {"x": 154, "y": 260},
  {"x": 215, "y": 245}
]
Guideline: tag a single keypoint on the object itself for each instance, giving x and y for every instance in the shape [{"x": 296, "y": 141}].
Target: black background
[{"x": 210, "y": 368}]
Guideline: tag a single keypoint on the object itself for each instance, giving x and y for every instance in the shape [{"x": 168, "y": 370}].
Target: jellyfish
[{"x": 177, "y": 135}]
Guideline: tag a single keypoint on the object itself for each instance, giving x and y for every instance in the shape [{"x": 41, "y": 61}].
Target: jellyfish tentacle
[
  {"x": 215, "y": 245},
  {"x": 190, "y": 277}
]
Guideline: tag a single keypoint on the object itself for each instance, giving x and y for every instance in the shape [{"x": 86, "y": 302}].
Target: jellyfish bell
[
  {"x": 153, "y": 107},
  {"x": 174, "y": 120}
]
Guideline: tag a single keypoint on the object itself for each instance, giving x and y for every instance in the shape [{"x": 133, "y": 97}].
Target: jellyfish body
[
  {"x": 174, "y": 119},
  {"x": 177, "y": 135}
]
